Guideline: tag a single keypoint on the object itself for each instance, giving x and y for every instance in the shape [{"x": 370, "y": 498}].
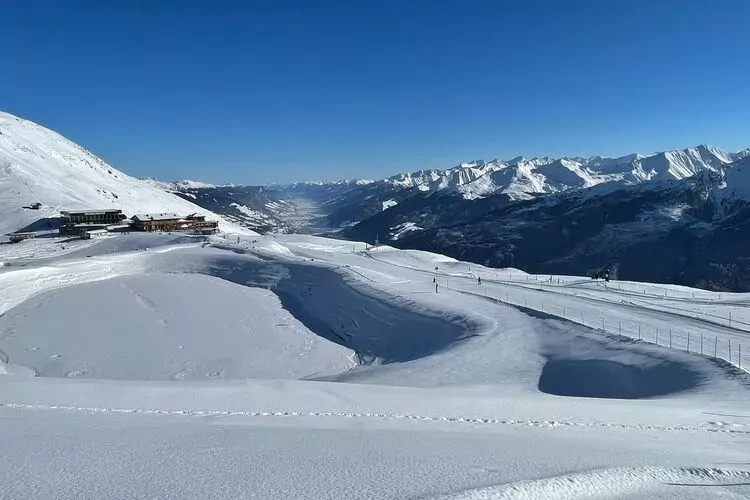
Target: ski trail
[{"x": 711, "y": 427}]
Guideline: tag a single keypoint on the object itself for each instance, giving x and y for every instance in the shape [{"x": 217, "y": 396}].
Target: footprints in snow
[
  {"x": 552, "y": 424},
  {"x": 144, "y": 302},
  {"x": 191, "y": 374}
]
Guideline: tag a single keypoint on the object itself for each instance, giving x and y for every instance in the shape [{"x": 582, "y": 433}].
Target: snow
[
  {"x": 523, "y": 178},
  {"x": 158, "y": 312},
  {"x": 161, "y": 216},
  {"x": 39, "y": 165},
  {"x": 182, "y": 185},
  {"x": 202, "y": 367},
  {"x": 389, "y": 203},
  {"x": 254, "y": 215},
  {"x": 401, "y": 229},
  {"x": 736, "y": 182}
]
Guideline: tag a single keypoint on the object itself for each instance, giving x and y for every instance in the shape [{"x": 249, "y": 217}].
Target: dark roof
[{"x": 92, "y": 212}]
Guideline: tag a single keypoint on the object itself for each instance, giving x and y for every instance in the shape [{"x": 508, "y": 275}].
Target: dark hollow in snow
[
  {"x": 600, "y": 378},
  {"x": 376, "y": 329}
]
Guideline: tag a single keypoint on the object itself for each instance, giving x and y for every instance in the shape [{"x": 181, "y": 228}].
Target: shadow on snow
[{"x": 377, "y": 330}]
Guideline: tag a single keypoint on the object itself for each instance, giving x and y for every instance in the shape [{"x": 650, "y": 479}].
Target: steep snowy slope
[
  {"x": 680, "y": 164},
  {"x": 521, "y": 179},
  {"x": 38, "y": 165},
  {"x": 736, "y": 186}
]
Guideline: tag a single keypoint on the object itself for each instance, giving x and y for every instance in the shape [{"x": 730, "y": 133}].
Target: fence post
[
  {"x": 688, "y": 346},
  {"x": 716, "y": 345},
  {"x": 619, "y": 328},
  {"x": 701, "y": 343},
  {"x": 639, "y": 331},
  {"x": 657, "y": 335},
  {"x": 565, "y": 314},
  {"x": 603, "y": 329},
  {"x": 739, "y": 355},
  {"x": 730, "y": 319},
  {"x": 730, "y": 350},
  {"x": 670, "y": 338}
]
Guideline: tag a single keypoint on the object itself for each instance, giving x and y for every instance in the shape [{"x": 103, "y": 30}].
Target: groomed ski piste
[{"x": 291, "y": 366}]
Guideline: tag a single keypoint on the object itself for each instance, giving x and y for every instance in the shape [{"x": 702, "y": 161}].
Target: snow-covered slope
[
  {"x": 525, "y": 387},
  {"x": 736, "y": 186},
  {"x": 38, "y": 165},
  {"x": 182, "y": 185}
]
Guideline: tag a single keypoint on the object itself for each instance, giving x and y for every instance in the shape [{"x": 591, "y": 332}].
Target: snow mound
[
  {"x": 38, "y": 165},
  {"x": 616, "y": 482}
]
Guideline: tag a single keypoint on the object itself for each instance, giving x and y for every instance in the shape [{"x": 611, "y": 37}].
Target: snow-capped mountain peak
[{"x": 522, "y": 178}]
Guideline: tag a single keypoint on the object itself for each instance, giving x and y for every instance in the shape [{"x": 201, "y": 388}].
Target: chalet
[
  {"x": 156, "y": 222},
  {"x": 173, "y": 222}
]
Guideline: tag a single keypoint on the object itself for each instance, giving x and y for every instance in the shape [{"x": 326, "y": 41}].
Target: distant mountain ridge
[
  {"x": 522, "y": 178},
  {"x": 344, "y": 203},
  {"x": 691, "y": 231}
]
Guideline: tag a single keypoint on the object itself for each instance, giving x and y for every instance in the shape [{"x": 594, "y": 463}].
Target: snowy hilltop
[{"x": 38, "y": 165}]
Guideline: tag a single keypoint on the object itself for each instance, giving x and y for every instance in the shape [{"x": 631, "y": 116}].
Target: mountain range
[{"x": 674, "y": 216}]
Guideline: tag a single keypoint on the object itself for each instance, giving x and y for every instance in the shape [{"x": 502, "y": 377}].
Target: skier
[
  {"x": 238, "y": 240},
  {"x": 606, "y": 274},
  {"x": 479, "y": 280}
]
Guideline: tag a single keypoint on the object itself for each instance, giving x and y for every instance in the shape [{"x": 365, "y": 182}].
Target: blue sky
[{"x": 280, "y": 90}]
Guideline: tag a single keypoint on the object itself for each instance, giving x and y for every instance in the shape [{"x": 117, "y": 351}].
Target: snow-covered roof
[{"x": 164, "y": 216}]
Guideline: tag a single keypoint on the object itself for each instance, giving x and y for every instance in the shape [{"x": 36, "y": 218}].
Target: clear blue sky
[{"x": 273, "y": 91}]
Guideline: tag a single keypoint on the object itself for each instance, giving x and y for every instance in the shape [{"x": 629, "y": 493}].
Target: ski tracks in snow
[{"x": 712, "y": 427}]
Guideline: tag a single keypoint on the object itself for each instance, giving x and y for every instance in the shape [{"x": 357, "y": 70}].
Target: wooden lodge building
[
  {"x": 87, "y": 223},
  {"x": 173, "y": 222}
]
